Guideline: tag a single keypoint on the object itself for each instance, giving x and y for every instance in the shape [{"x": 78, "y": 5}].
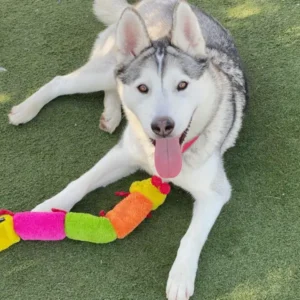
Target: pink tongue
[{"x": 168, "y": 160}]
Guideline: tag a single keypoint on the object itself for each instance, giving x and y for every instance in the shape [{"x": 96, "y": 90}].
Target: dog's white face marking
[{"x": 160, "y": 57}]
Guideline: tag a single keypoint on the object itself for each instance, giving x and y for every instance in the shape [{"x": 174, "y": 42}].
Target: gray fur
[
  {"x": 130, "y": 71},
  {"x": 191, "y": 66}
]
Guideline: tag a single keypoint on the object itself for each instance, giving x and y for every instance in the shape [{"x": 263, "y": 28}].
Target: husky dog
[{"x": 178, "y": 76}]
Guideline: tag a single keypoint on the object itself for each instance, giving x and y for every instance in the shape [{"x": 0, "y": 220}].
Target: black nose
[{"x": 163, "y": 126}]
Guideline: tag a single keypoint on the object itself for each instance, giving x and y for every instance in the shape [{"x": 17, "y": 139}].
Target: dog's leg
[
  {"x": 117, "y": 163},
  {"x": 92, "y": 77},
  {"x": 207, "y": 207},
  {"x": 112, "y": 114}
]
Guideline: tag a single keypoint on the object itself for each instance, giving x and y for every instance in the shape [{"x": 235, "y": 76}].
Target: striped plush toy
[{"x": 144, "y": 196}]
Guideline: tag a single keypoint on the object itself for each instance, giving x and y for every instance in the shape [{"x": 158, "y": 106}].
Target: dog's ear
[
  {"x": 186, "y": 31},
  {"x": 132, "y": 36}
]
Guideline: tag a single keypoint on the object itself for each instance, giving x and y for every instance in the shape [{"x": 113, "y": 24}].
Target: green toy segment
[{"x": 88, "y": 228}]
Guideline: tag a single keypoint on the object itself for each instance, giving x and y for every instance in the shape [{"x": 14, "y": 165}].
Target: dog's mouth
[{"x": 168, "y": 154}]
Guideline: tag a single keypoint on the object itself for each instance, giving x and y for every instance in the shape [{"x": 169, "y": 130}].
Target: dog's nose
[{"x": 163, "y": 126}]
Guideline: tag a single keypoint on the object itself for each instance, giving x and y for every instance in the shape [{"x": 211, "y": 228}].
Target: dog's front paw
[
  {"x": 181, "y": 281},
  {"x": 110, "y": 121},
  {"x": 22, "y": 113}
]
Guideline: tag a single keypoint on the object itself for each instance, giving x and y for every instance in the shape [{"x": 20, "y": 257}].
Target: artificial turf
[{"x": 253, "y": 251}]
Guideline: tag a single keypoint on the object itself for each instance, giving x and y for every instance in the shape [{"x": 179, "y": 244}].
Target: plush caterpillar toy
[{"x": 144, "y": 196}]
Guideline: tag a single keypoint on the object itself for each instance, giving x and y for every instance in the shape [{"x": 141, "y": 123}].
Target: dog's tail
[{"x": 109, "y": 11}]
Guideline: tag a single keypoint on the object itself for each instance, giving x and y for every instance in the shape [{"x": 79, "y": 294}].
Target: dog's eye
[
  {"x": 182, "y": 86},
  {"x": 143, "y": 88}
]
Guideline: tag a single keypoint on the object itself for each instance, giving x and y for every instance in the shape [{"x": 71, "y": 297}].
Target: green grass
[{"x": 253, "y": 251}]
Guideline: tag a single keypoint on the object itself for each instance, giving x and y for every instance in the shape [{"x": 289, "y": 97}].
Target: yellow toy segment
[
  {"x": 151, "y": 192},
  {"x": 8, "y": 237}
]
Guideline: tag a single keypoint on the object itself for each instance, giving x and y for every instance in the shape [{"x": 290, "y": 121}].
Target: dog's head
[{"x": 162, "y": 83}]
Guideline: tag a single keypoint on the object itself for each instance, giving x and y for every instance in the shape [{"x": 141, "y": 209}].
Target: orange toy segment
[{"x": 129, "y": 213}]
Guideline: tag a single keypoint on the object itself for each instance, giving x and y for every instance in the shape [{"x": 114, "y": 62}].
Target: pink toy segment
[{"x": 40, "y": 226}]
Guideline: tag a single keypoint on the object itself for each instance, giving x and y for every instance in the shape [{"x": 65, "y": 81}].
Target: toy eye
[
  {"x": 182, "y": 86},
  {"x": 143, "y": 88}
]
